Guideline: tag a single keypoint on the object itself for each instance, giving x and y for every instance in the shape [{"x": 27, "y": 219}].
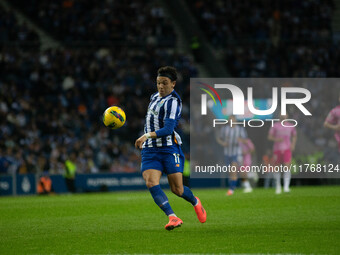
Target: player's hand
[{"x": 139, "y": 142}]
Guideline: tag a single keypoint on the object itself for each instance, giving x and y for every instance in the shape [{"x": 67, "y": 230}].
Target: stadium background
[{"x": 62, "y": 63}]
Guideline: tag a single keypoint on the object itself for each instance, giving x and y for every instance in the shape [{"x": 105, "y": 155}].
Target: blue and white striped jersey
[
  {"x": 231, "y": 135},
  {"x": 159, "y": 109}
]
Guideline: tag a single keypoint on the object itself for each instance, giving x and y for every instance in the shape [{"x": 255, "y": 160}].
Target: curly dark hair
[{"x": 168, "y": 71}]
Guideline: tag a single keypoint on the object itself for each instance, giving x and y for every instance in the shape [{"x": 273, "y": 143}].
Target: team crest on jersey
[{"x": 161, "y": 103}]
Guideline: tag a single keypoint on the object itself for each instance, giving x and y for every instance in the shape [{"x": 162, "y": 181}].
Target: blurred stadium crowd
[
  {"x": 52, "y": 104},
  {"x": 91, "y": 22},
  {"x": 15, "y": 33},
  {"x": 271, "y": 38},
  {"x": 51, "y": 101}
]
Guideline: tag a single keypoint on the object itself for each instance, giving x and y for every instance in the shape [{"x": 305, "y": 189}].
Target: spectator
[
  {"x": 70, "y": 172},
  {"x": 44, "y": 185}
]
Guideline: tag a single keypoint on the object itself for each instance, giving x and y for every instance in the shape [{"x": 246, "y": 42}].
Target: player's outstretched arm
[
  {"x": 139, "y": 142},
  {"x": 168, "y": 129}
]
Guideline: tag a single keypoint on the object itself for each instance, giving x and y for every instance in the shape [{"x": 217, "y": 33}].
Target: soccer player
[
  {"x": 284, "y": 138},
  {"x": 161, "y": 148},
  {"x": 230, "y": 138},
  {"x": 333, "y": 122}
]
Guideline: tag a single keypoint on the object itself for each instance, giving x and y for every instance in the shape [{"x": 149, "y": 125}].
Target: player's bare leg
[
  {"x": 176, "y": 185},
  {"x": 152, "y": 177}
]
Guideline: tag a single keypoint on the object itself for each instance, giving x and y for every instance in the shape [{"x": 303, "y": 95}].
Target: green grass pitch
[{"x": 306, "y": 221}]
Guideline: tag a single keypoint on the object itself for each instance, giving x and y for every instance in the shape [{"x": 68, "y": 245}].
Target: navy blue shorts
[{"x": 169, "y": 159}]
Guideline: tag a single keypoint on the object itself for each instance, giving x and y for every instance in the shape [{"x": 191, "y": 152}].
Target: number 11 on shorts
[{"x": 176, "y": 155}]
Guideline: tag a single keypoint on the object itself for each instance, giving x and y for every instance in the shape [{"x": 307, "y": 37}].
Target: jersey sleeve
[
  {"x": 331, "y": 117},
  {"x": 172, "y": 109},
  {"x": 168, "y": 129}
]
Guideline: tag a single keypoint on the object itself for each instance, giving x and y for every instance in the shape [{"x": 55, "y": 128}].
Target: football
[{"x": 114, "y": 117}]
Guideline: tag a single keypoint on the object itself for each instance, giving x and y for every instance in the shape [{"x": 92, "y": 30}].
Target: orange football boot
[
  {"x": 201, "y": 213},
  {"x": 174, "y": 222}
]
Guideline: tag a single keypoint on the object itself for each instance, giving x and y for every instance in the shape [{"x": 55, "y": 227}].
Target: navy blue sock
[
  {"x": 232, "y": 184},
  {"x": 188, "y": 196},
  {"x": 161, "y": 199}
]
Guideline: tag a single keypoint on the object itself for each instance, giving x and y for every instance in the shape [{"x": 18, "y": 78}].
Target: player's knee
[
  {"x": 177, "y": 190},
  {"x": 150, "y": 183}
]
